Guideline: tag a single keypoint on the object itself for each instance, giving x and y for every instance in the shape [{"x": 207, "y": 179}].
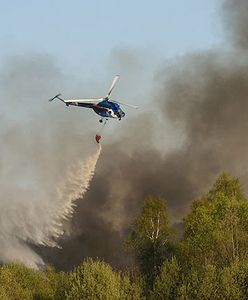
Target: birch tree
[{"x": 150, "y": 237}]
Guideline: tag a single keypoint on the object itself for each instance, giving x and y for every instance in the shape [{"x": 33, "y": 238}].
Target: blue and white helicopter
[{"x": 104, "y": 107}]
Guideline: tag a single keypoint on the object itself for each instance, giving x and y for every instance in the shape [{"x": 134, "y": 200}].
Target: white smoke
[
  {"x": 41, "y": 222},
  {"x": 44, "y": 166}
]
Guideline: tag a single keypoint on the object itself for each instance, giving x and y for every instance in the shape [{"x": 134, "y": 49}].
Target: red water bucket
[{"x": 98, "y": 137}]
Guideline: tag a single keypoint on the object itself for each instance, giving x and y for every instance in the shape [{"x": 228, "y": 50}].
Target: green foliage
[
  {"x": 211, "y": 261},
  {"x": 131, "y": 290},
  {"x": 3, "y": 294},
  {"x": 150, "y": 238},
  {"x": 91, "y": 280},
  {"x": 216, "y": 228},
  {"x": 20, "y": 282},
  {"x": 59, "y": 282},
  {"x": 202, "y": 283},
  {"x": 166, "y": 283},
  {"x": 228, "y": 186},
  {"x": 94, "y": 280},
  {"x": 211, "y": 282},
  {"x": 199, "y": 284},
  {"x": 234, "y": 280}
]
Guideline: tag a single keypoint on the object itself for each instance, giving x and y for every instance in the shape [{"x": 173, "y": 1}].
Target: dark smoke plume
[
  {"x": 236, "y": 20},
  {"x": 203, "y": 100}
]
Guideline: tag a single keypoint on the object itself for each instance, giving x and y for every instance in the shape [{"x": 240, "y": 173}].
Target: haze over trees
[{"x": 210, "y": 261}]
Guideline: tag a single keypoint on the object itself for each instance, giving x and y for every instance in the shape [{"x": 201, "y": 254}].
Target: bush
[
  {"x": 19, "y": 282},
  {"x": 94, "y": 280}
]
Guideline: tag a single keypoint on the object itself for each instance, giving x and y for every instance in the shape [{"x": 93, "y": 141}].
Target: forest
[{"x": 207, "y": 258}]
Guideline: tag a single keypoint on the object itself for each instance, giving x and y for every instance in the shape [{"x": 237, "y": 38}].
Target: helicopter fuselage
[{"x": 105, "y": 108}]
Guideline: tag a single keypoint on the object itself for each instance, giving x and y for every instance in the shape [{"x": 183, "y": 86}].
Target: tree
[
  {"x": 131, "y": 289},
  {"x": 166, "y": 283},
  {"x": 234, "y": 279},
  {"x": 20, "y": 282},
  {"x": 216, "y": 229},
  {"x": 199, "y": 284},
  {"x": 94, "y": 280},
  {"x": 150, "y": 237},
  {"x": 59, "y": 282}
]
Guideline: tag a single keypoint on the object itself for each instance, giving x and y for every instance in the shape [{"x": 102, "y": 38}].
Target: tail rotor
[{"x": 56, "y": 97}]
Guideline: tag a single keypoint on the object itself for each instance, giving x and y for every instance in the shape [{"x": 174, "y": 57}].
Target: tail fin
[{"x": 57, "y": 96}]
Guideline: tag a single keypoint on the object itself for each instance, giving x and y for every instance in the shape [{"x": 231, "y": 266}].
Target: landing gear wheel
[{"x": 101, "y": 121}]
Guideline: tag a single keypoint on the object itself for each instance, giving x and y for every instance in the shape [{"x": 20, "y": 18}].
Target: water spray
[{"x": 42, "y": 220}]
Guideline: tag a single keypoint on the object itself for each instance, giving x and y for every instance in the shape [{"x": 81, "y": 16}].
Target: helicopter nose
[{"x": 121, "y": 113}]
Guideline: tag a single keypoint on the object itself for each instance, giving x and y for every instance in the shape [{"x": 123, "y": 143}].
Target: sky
[{"x": 82, "y": 35}]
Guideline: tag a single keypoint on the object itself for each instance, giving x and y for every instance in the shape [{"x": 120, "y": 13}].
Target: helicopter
[{"x": 104, "y": 107}]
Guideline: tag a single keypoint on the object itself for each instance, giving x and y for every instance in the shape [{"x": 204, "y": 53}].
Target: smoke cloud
[
  {"x": 45, "y": 166},
  {"x": 235, "y": 19},
  {"x": 176, "y": 151}
]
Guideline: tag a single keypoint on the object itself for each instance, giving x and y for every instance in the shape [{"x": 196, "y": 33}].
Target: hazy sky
[{"x": 83, "y": 34}]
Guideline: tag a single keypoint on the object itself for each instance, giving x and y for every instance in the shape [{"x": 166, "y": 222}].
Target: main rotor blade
[
  {"x": 85, "y": 100},
  {"x": 122, "y": 103},
  {"x": 112, "y": 85}
]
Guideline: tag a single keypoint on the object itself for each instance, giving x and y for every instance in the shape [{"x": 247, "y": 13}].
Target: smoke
[
  {"x": 236, "y": 19},
  {"x": 196, "y": 128},
  {"x": 45, "y": 165}
]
